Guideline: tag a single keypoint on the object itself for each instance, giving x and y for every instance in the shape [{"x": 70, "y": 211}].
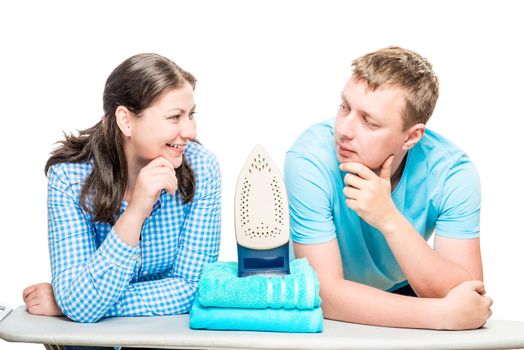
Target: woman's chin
[{"x": 176, "y": 161}]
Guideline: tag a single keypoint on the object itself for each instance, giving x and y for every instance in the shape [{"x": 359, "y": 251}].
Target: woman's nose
[{"x": 188, "y": 129}]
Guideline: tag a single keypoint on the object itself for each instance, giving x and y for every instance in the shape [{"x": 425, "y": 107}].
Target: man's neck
[{"x": 397, "y": 175}]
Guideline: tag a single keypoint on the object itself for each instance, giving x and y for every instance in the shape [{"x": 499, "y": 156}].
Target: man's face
[{"x": 369, "y": 125}]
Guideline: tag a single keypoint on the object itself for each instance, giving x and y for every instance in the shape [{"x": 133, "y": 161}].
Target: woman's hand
[
  {"x": 159, "y": 174},
  {"x": 39, "y": 300}
]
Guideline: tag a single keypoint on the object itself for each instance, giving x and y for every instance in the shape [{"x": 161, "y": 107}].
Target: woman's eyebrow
[{"x": 180, "y": 109}]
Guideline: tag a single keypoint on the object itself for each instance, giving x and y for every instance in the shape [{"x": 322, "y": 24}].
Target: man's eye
[
  {"x": 344, "y": 109},
  {"x": 366, "y": 120}
]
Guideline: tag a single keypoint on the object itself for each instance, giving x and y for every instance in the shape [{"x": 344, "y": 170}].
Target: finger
[
  {"x": 160, "y": 162},
  {"x": 358, "y": 169},
  {"x": 354, "y": 181},
  {"x": 489, "y": 301},
  {"x": 27, "y": 297},
  {"x": 352, "y": 204},
  {"x": 166, "y": 182},
  {"x": 31, "y": 297},
  {"x": 351, "y": 193},
  {"x": 159, "y": 170},
  {"x": 385, "y": 168},
  {"x": 28, "y": 291},
  {"x": 477, "y": 286},
  {"x": 148, "y": 175},
  {"x": 158, "y": 182},
  {"x": 32, "y": 304},
  {"x": 172, "y": 186},
  {"x": 35, "y": 310}
]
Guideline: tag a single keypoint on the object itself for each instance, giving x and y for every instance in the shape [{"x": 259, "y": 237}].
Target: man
[{"x": 366, "y": 191}]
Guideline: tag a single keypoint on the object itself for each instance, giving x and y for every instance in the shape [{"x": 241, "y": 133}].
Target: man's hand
[
  {"x": 39, "y": 300},
  {"x": 369, "y": 195},
  {"x": 465, "y": 307}
]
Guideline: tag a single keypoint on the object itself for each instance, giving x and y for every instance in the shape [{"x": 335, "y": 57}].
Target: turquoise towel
[
  {"x": 220, "y": 286},
  {"x": 271, "y": 320}
]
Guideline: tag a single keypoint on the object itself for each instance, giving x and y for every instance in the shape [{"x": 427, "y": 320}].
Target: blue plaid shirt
[{"x": 95, "y": 274}]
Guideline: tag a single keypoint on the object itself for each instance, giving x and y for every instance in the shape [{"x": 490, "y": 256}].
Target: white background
[{"x": 266, "y": 71}]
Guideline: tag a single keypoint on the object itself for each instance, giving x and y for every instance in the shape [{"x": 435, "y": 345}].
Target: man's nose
[{"x": 346, "y": 126}]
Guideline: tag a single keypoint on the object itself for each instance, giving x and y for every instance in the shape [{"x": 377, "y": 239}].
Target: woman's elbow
[
  {"x": 79, "y": 314},
  {"x": 81, "y": 317}
]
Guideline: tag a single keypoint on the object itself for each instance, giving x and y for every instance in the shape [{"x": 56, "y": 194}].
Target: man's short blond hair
[{"x": 395, "y": 66}]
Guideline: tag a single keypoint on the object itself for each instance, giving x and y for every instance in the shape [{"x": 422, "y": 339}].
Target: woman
[{"x": 133, "y": 202}]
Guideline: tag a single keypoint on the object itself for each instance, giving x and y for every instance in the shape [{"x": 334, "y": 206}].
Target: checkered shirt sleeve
[{"x": 96, "y": 274}]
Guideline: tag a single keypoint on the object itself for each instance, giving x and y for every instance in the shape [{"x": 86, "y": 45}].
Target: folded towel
[
  {"x": 220, "y": 286},
  {"x": 272, "y": 320}
]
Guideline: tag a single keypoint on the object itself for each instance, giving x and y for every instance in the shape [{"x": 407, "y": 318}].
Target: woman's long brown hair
[{"x": 135, "y": 84}]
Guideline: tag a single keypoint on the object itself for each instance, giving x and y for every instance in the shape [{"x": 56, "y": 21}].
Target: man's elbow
[
  {"x": 329, "y": 311},
  {"x": 330, "y": 298},
  {"x": 442, "y": 289}
]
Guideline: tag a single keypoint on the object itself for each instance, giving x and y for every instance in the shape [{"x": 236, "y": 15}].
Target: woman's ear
[
  {"x": 123, "y": 120},
  {"x": 413, "y": 135}
]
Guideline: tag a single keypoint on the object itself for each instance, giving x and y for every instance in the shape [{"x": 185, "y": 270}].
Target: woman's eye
[
  {"x": 192, "y": 115},
  {"x": 175, "y": 117}
]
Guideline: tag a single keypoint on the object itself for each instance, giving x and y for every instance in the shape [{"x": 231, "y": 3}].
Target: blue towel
[
  {"x": 272, "y": 320},
  {"x": 220, "y": 286}
]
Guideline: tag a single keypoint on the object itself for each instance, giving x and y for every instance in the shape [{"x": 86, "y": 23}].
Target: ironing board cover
[{"x": 172, "y": 332}]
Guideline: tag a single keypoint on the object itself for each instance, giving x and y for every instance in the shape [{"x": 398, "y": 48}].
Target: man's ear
[
  {"x": 123, "y": 120},
  {"x": 413, "y": 135}
]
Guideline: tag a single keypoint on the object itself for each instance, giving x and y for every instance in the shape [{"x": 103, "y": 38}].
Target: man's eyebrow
[
  {"x": 343, "y": 98},
  {"x": 366, "y": 115},
  {"x": 363, "y": 113}
]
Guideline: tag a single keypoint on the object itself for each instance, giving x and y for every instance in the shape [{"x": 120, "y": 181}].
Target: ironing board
[{"x": 173, "y": 332}]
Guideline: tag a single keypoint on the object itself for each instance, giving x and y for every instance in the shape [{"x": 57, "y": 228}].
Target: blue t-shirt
[{"x": 439, "y": 191}]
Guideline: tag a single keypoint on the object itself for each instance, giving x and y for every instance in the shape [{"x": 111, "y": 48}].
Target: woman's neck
[{"x": 134, "y": 166}]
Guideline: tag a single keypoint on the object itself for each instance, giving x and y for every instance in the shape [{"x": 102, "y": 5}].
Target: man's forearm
[
  {"x": 353, "y": 302},
  {"x": 428, "y": 273},
  {"x": 462, "y": 308}
]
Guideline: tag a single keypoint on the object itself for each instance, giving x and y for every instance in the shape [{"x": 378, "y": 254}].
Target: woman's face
[{"x": 163, "y": 129}]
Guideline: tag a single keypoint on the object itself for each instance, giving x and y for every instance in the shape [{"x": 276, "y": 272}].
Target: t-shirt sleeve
[
  {"x": 460, "y": 205},
  {"x": 311, "y": 216}
]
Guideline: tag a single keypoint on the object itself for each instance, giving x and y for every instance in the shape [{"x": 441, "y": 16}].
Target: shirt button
[
  {"x": 147, "y": 243},
  {"x": 134, "y": 257},
  {"x": 144, "y": 273}
]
